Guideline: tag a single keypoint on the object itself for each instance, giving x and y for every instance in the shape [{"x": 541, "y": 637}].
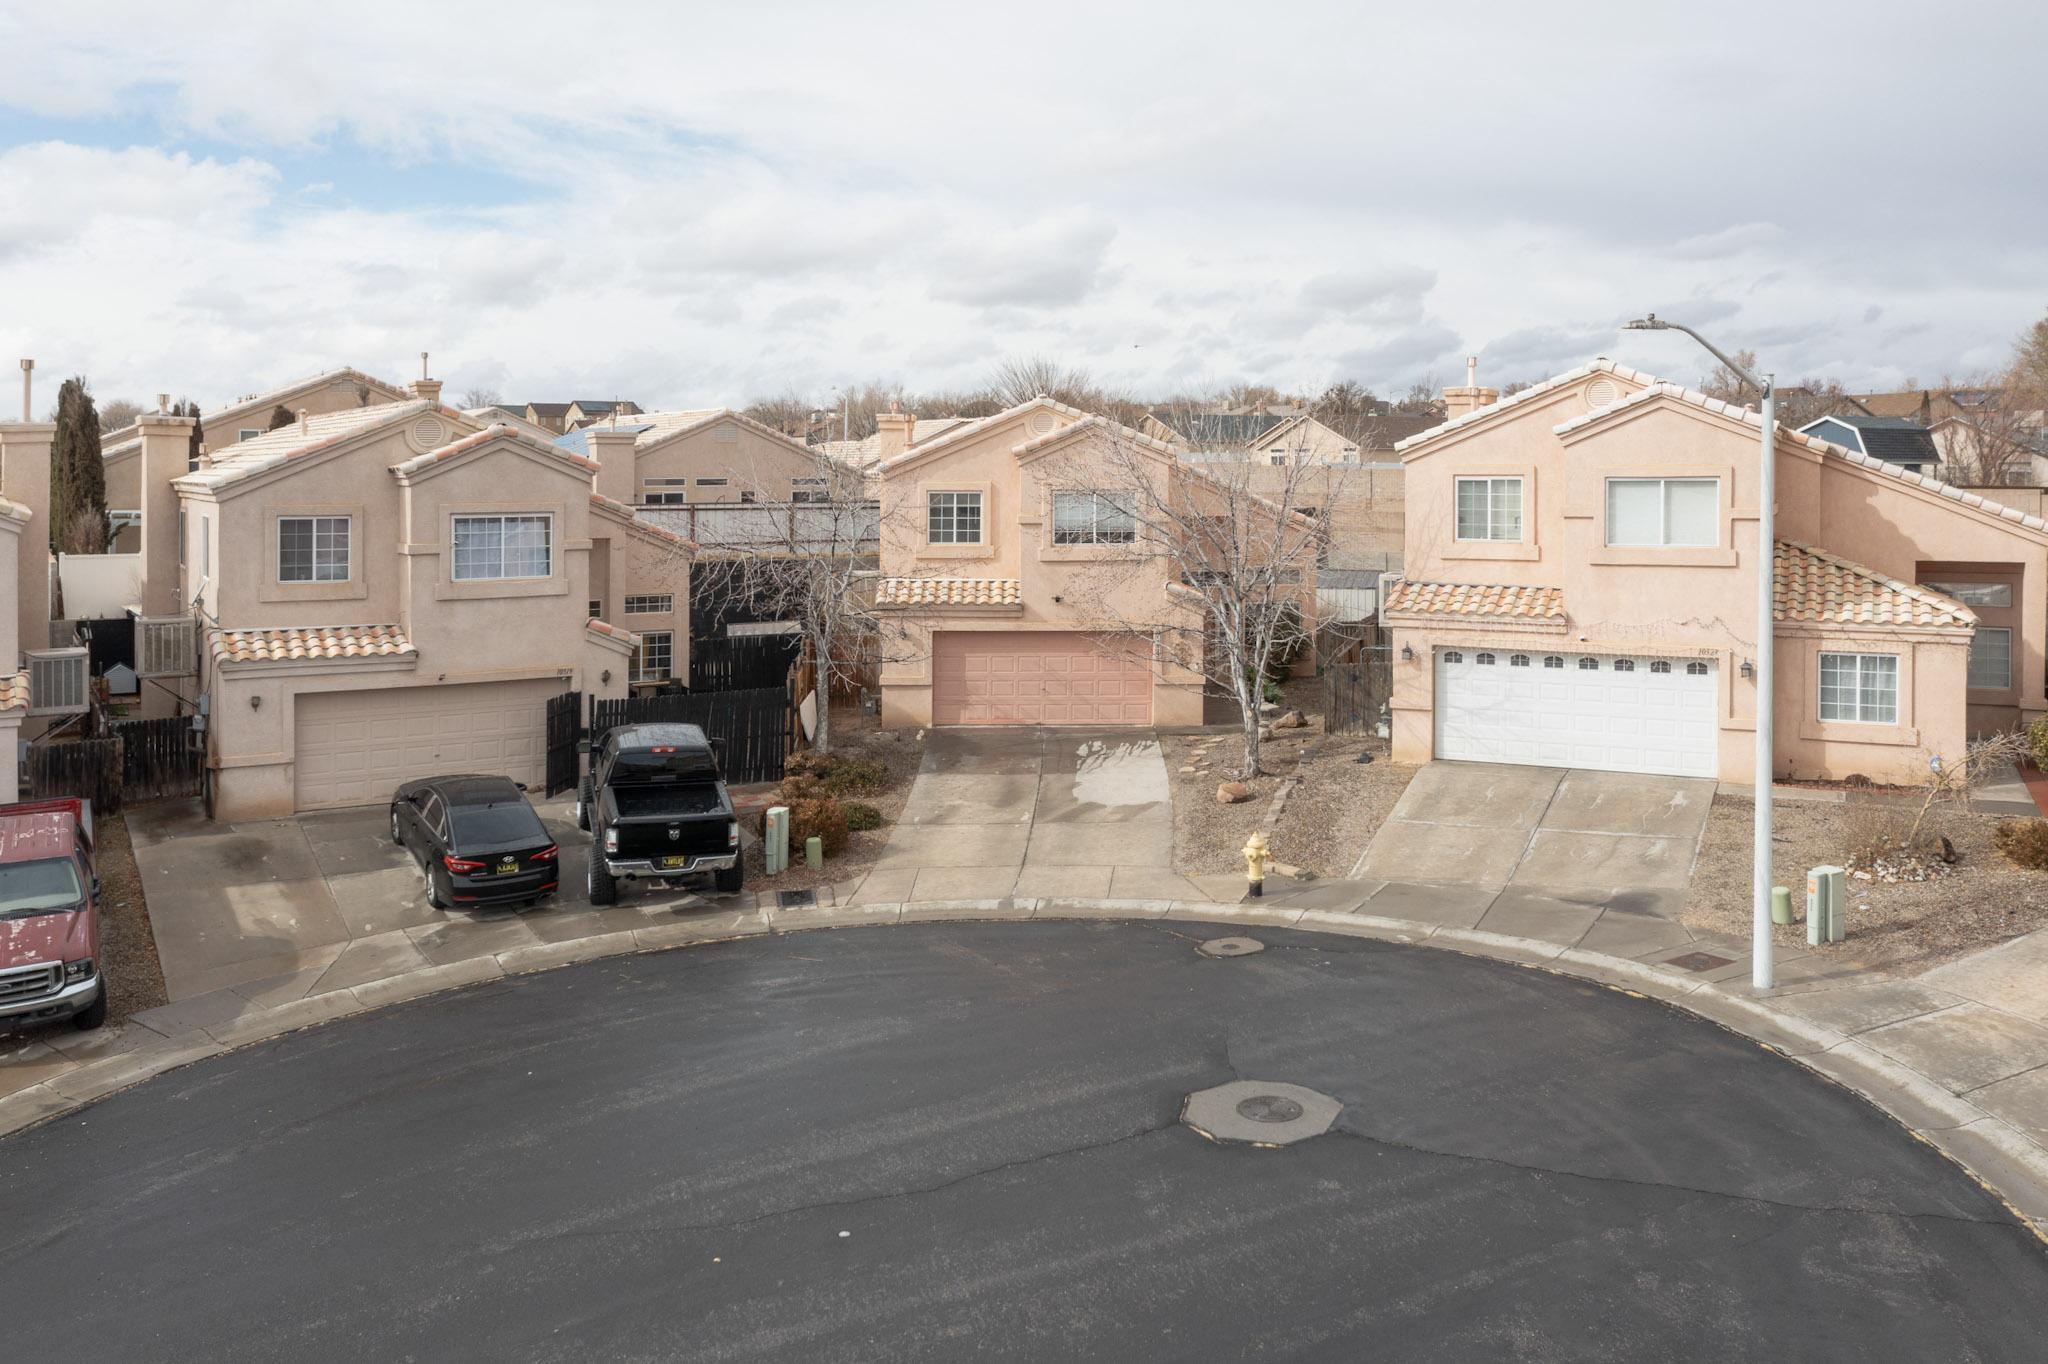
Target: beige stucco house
[
  {"x": 24, "y": 563},
  {"x": 716, "y": 455},
  {"x": 1579, "y": 589},
  {"x": 1018, "y": 594}
]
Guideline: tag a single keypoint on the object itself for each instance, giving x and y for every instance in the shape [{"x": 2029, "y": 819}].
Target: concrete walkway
[{"x": 1038, "y": 813}]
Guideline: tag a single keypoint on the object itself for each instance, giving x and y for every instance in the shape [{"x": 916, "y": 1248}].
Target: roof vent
[
  {"x": 1041, "y": 423},
  {"x": 428, "y": 433},
  {"x": 1602, "y": 392}
]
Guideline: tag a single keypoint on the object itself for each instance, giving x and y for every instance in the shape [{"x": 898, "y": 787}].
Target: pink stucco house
[{"x": 1579, "y": 590}]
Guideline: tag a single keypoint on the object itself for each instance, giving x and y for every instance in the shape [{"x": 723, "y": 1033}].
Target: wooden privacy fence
[
  {"x": 83, "y": 769},
  {"x": 756, "y": 724},
  {"x": 1355, "y": 694},
  {"x": 135, "y": 760},
  {"x": 742, "y": 662},
  {"x": 565, "y": 727}
]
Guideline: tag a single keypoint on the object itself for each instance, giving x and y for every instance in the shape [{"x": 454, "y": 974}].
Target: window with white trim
[
  {"x": 953, "y": 518},
  {"x": 498, "y": 548},
  {"x": 650, "y": 604},
  {"x": 312, "y": 549},
  {"x": 1664, "y": 512},
  {"x": 808, "y": 490},
  {"x": 665, "y": 492},
  {"x": 1489, "y": 509},
  {"x": 651, "y": 659},
  {"x": 1860, "y": 688},
  {"x": 1093, "y": 518},
  {"x": 248, "y": 433},
  {"x": 1454, "y": 657},
  {"x": 596, "y": 609},
  {"x": 1991, "y": 658}
]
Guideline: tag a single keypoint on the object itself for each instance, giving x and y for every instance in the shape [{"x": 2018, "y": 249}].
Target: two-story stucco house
[
  {"x": 716, "y": 455},
  {"x": 1020, "y": 586},
  {"x": 1579, "y": 590},
  {"x": 390, "y": 591}
]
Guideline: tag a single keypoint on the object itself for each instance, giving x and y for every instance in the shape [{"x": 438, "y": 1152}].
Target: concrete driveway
[
  {"x": 1035, "y": 812},
  {"x": 1537, "y": 851}
]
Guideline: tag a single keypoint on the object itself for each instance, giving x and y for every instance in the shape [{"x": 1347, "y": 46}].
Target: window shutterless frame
[
  {"x": 953, "y": 518},
  {"x": 1860, "y": 689},
  {"x": 503, "y": 548},
  {"x": 1489, "y": 509},
  {"x": 313, "y": 549},
  {"x": 1663, "y": 513}
]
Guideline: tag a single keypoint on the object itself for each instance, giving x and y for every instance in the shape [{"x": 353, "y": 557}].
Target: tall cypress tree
[
  {"x": 185, "y": 409},
  {"x": 78, "y": 477},
  {"x": 281, "y": 417}
]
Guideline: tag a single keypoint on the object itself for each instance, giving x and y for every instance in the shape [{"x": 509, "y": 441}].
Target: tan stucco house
[
  {"x": 1017, "y": 594},
  {"x": 1579, "y": 590},
  {"x": 716, "y": 455}
]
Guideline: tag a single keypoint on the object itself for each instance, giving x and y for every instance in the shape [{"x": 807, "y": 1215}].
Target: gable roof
[
  {"x": 1889, "y": 438},
  {"x": 1598, "y": 365},
  {"x": 530, "y": 445},
  {"x": 1661, "y": 389},
  {"x": 129, "y": 437},
  {"x": 261, "y": 453},
  {"x": 968, "y": 430},
  {"x": 1812, "y": 585},
  {"x": 865, "y": 451}
]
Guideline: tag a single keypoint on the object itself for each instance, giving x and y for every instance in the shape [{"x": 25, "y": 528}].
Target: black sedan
[{"x": 477, "y": 839}]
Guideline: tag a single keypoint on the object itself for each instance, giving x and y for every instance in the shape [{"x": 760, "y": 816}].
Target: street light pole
[{"x": 1760, "y": 973}]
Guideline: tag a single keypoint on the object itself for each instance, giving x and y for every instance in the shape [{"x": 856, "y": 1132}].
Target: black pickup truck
[{"x": 656, "y": 808}]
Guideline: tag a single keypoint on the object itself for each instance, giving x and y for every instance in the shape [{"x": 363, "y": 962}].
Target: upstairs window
[
  {"x": 1664, "y": 512},
  {"x": 665, "y": 492},
  {"x": 650, "y": 604},
  {"x": 953, "y": 518},
  {"x": 312, "y": 549},
  {"x": 1490, "y": 509},
  {"x": 1091, "y": 518},
  {"x": 493, "y": 548}
]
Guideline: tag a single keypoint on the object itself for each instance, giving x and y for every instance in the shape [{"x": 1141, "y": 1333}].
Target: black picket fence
[
  {"x": 757, "y": 725},
  {"x": 742, "y": 662}
]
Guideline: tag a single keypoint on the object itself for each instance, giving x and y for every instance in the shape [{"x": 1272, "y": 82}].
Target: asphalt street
[{"x": 950, "y": 1141}]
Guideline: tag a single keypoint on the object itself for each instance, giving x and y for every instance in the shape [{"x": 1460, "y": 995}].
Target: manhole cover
[
  {"x": 793, "y": 899},
  {"x": 1699, "y": 961},
  {"x": 1230, "y": 947},
  {"x": 1269, "y": 1108}
]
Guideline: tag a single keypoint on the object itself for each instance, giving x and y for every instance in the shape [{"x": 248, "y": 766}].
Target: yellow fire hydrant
[{"x": 1256, "y": 860}]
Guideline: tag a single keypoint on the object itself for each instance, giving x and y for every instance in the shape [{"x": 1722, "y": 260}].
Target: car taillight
[
  {"x": 611, "y": 840},
  {"x": 463, "y": 865},
  {"x": 547, "y": 854},
  {"x": 732, "y": 834}
]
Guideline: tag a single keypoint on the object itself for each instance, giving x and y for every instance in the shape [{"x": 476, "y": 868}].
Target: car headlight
[
  {"x": 75, "y": 971},
  {"x": 611, "y": 840},
  {"x": 732, "y": 834}
]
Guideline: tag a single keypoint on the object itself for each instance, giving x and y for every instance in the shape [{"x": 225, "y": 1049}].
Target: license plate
[
  {"x": 508, "y": 867},
  {"x": 674, "y": 861}
]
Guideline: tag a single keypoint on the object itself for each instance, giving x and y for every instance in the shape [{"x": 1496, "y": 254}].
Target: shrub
[
  {"x": 820, "y": 817},
  {"x": 2037, "y": 741},
  {"x": 2023, "y": 841},
  {"x": 856, "y": 776},
  {"x": 810, "y": 764},
  {"x": 1873, "y": 832},
  {"x": 861, "y": 816}
]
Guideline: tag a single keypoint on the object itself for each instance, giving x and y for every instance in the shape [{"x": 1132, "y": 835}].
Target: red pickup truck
[{"x": 49, "y": 923}]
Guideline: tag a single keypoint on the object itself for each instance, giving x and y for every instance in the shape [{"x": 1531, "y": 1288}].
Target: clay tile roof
[
  {"x": 1482, "y": 600},
  {"x": 949, "y": 592},
  {"x": 14, "y": 692},
  {"x": 1599, "y": 365},
  {"x": 500, "y": 431},
  {"x": 309, "y": 644},
  {"x": 597, "y": 626},
  {"x": 1814, "y": 586}
]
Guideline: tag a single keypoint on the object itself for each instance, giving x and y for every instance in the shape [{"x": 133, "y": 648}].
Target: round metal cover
[
  {"x": 1230, "y": 947},
  {"x": 1269, "y": 1108}
]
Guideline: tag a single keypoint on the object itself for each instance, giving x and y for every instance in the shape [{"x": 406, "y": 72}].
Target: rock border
[{"x": 1990, "y": 1150}]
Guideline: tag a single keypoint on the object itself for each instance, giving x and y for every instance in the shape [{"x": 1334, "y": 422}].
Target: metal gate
[{"x": 565, "y": 727}]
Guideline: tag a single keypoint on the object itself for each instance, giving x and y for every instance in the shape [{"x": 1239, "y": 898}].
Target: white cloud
[{"x": 1729, "y": 241}]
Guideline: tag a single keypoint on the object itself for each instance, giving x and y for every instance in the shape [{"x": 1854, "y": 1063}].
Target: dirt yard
[
  {"x": 1329, "y": 818},
  {"x": 127, "y": 944},
  {"x": 1905, "y": 927},
  {"x": 855, "y": 736}
]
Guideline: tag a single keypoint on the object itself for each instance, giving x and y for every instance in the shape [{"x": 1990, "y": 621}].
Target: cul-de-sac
[{"x": 836, "y": 685}]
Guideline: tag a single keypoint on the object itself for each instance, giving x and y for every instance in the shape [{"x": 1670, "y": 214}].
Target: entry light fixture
[
  {"x": 1407, "y": 654},
  {"x": 1748, "y": 669}
]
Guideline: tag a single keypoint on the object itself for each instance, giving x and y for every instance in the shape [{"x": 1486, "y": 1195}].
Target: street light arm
[{"x": 1654, "y": 323}]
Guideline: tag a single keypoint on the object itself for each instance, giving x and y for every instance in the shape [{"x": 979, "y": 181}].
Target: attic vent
[
  {"x": 1041, "y": 423},
  {"x": 1601, "y": 392},
  {"x": 428, "y": 433},
  {"x": 725, "y": 433},
  {"x": 166, "y": 646},
  {"x": 59, "y": 682}
]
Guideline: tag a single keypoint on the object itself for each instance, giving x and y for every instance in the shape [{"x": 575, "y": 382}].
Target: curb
[{"x": 1990, "y": 1150}]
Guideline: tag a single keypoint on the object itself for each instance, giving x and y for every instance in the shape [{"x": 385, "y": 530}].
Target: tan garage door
[
  {"x": 1039, "y": 678},
  {"x": 353, "y": 747}
]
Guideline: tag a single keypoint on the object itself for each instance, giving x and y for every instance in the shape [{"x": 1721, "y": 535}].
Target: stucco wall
[{"x": 749, "y": 462}]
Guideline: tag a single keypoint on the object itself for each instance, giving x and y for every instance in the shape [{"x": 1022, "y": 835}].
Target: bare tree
[
  {"x": 1019, "y": 380},
  {"x": 118, "y": 413},
  {"x": 1239, "y": 568},
  {"x": 481, "y": 397}
]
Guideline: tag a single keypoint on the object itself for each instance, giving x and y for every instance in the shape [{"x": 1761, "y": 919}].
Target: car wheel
[
  {"x": 93, "y": 1014},
  {"x": 438, "y": 898},
  {"x": 733, "y": 881},
  {"x": 396, "y": 836},
  {"x": 583, "y": 803},
  {"x": 601, "y": 884}
]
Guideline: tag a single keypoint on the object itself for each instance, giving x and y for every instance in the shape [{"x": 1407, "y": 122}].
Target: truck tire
[
  {"x": 583, "y": 804},
  {"x": 733, "y": 881},
  {"x": 93, "y": 1014},
  {"x": 602, "y": 885}
]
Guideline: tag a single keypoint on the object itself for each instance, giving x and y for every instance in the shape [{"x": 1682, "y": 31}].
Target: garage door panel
[
  {"x": 354, "y": 747},
  {"x": 1615, "y": 713},
  {"x": 1004, "y": 677}
]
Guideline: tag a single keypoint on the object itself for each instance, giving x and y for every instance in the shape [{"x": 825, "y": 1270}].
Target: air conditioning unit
[
  {"x": 59, "y": 682},
  {"x": 166, "y": 646}
]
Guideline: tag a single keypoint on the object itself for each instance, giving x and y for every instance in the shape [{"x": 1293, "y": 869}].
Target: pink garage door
[{"x": 1039, "y": 677}]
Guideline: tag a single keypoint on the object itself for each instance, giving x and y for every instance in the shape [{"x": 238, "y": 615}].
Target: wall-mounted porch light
[
  {"x": 1407, "y": 654},
  {"x": 1748, "y": 669}
]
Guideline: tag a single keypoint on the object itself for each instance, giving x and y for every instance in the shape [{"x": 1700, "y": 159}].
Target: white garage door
[
  {"x": 1039, "y": 677},
  {"x": 353, "y": 747},
  {"x": 1618, "y": 714}
]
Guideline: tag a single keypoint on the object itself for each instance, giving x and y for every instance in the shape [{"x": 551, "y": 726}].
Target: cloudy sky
[{"x": 693, "y": 203}]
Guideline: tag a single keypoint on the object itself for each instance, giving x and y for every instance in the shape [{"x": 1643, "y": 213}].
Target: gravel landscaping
[
  {"x": 127, "y": 945},
  {"x": 854, "y": 735},
  {"x": 1331, "y": 813},
  {"x": 1904, "y": 927}
]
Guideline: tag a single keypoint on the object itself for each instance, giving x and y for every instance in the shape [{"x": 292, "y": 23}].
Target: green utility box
[{"x": 1827, "y": 903}]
